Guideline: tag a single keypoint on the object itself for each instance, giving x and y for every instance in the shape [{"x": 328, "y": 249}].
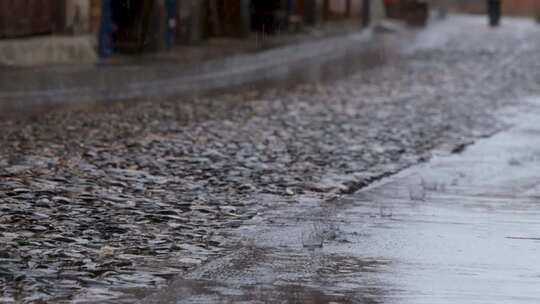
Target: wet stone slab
[{"x": 473, "y": 237}]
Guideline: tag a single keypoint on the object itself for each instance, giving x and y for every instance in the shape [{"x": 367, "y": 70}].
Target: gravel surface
[{"x": 104, "y": 204}]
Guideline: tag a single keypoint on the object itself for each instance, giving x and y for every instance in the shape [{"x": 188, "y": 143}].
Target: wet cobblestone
[{"x": 100, "y": 205}]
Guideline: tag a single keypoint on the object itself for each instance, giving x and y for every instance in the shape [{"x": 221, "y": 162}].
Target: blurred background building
[
  {"x": 509, "y": 7},
  {"x": 63, "y": 31},
  {"x": 81, "y": 31}
]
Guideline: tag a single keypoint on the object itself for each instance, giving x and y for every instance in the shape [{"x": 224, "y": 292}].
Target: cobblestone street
[{"x": 106, "y": 204}]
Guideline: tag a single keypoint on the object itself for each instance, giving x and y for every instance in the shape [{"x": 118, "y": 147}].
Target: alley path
[{"x": 108, "y": 204}]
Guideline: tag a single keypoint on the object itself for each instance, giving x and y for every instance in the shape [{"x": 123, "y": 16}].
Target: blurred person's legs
[
  {"x": 441, "y": 8},
  {"x": 366, "y": 13},
  {"x": 494, "y": 12}
]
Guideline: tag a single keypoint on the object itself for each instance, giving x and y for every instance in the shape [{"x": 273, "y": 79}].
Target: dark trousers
[
  {"x": 494, "y": 12},
  {"x": 366, "y": 12}
]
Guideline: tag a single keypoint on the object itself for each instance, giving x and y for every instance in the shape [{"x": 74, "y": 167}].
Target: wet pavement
[
  {"x": 108, "y": 204},
  {"x": 463, "y": 228}
]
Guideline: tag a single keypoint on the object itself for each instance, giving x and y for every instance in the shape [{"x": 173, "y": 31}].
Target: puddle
[
  {"x": 474, "y": 236},
  {"x": 282, "y": 277}
]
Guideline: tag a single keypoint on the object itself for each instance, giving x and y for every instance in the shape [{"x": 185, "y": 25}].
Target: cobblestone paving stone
[{"x": 102, "y": 204}]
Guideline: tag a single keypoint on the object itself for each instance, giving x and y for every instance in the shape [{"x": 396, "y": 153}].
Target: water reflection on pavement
[{"x": 463, "y": 228}]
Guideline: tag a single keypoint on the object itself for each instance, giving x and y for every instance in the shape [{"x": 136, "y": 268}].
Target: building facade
[
  {"x": 76, "y": 28},
  {"x": 509, "y": 7}
]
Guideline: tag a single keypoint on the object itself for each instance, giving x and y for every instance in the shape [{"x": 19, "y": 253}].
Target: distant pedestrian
[
  {"x": 366, "y": 13},
  {"x": 494, "y": 12},
  {"x": 106, "y": 30}
]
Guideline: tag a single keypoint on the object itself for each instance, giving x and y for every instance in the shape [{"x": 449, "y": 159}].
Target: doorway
[
  {"x": 131, "y": 19},
  {"x": 268, "y": 16}
]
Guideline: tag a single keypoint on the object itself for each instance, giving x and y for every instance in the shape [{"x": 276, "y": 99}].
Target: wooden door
[{"x": 25, "y": 17}]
